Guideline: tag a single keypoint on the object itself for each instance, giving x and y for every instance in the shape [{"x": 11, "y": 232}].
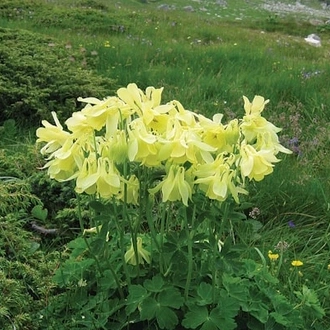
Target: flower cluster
[{"x": 191, "y": 151}]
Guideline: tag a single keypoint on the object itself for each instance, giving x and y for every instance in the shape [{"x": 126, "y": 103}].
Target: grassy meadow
[{"x": 53, "y": 52}]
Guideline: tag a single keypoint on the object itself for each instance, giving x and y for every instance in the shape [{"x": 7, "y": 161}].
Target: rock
[
  {"x": 314, "y": 40},
  {"x": 189, "y": 8},
  {"x": 222, "y": 3},
  {"x": 316, "y": 22},
  {"x": 165, "y": 7}
]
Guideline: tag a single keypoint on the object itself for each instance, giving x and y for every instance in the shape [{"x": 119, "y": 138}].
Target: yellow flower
[
  {"x": 142, "y": 144},
  {"x": 218, "y": 180},
  {"x": 96, "y": 230},
  {"x": 174, "y": 187},
  {"x": 137, "y": 100},
  {"x": 296, "y": 263},
  {"x": 269, "y": 141},
  {"x": 256, "y": 164},
  {"x": 273, "y": 256},
  {"x": 329, "y": 267},
  {"x": 257, "y": 105},
  {"x": 98, "y": 177},
  {"x": 222, "y": 137},
  {"x": 253, "y": 125},
  {"x": 142, "y": 254},
  {"x": 53, "y": 135},
  {"x": 131, "y": 189},
  {"x": 92, "y": 230}
]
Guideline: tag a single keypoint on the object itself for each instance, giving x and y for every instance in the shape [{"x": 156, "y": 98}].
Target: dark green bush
[
  {"x": 25, "y": 274},
  {"x": 39, "y": 75}
]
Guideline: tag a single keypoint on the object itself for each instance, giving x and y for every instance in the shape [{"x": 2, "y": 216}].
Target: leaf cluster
[{"x": 226, "y": 291}]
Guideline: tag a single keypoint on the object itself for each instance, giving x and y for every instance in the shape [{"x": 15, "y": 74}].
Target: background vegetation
[{"x": 52, "y": 52}]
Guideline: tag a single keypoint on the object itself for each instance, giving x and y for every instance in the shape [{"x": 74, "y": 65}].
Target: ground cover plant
[{"x": 264, "y": 261}]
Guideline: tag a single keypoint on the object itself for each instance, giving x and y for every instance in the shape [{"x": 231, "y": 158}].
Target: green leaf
[
  {"x": 34, "y": 246},
  {"x": 72, "y": 271},
  {"x": 137, "y": 293},
  {"x": 236, "y": 287},
  {"x": 166, "y": 318},
  {"x": 98, "y": 206},
  {"x": 148, "y": 308},
  {"x": 279, "y": 318},
  {"x": 310, "y": 300},
  {"x": 257, "y": 309},
  {"x": 205, "y": 293},
  {"x": 209, "y": 325},
  {"x": 170, "y": 298},
  {"x": 196, "y": 316},
  {"x": 222, "y": 317},
  {"x": 107, "y": 281},
  {"x": 155, "y": 284},
  {"x": 39, "y": 213}
]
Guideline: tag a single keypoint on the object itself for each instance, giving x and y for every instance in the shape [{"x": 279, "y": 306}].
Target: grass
[{"x": 207, "y": 59}]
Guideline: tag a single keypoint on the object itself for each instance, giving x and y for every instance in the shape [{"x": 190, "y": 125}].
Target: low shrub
[{"x": 39, "y": 75}]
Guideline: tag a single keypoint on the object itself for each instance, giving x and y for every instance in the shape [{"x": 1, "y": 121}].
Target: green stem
[
  {"x": 85, "y": 239},
  {"x": 151, "y": 225},
  {"x": 121, "y": 244},
  {"x": 190, "y": 236}
]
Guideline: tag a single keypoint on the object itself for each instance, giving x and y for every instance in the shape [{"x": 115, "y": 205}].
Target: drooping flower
[
  {"x": 129, "y": 191},
  {"x": 268, "y": 140},
  {"x": 218, "y": 179},
  {"x": 142, "y": 254},
  {"x": 174, "y": 186},
  {"x": 98, "y": 176},
  {"x": 96, "y": 230},
  {"x": 256, "y": 164},
  {"x": 53, "y": 135},
  {"x": 222, "y": 137},
  {"x": 142, "y": 144}
]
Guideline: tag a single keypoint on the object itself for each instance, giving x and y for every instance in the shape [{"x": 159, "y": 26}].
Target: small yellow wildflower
[
  {"x": 296, "y": 263},
  {"x": 329, "y": 267},
  {"x": 273, "y": 256}
]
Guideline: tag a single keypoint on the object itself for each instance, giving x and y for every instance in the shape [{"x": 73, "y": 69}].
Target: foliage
[
  {"x": 39, "y": 75},
  {"x": 15, "y": 195},
  {"x": 25, "y": 275}
]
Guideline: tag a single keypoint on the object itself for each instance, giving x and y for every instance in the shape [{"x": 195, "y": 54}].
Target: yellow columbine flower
[
  {"x": 95, "y": 230},
  {"x": 98, "y": 177},
  {"x": 218, "y": 180},
  {"x": 256, "y": 164},
  {"x": 257, "y": 105},
  {"x": 174, "y": 187},
  {"x": 142, "y": 144},
  {"x": 296, "y": 263},
  {"x": 273, "y": 256},
  {"x": 143, "y": 254},
  {"x": 53, "y": 135},
  {"x": 131, "y": 190}
]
